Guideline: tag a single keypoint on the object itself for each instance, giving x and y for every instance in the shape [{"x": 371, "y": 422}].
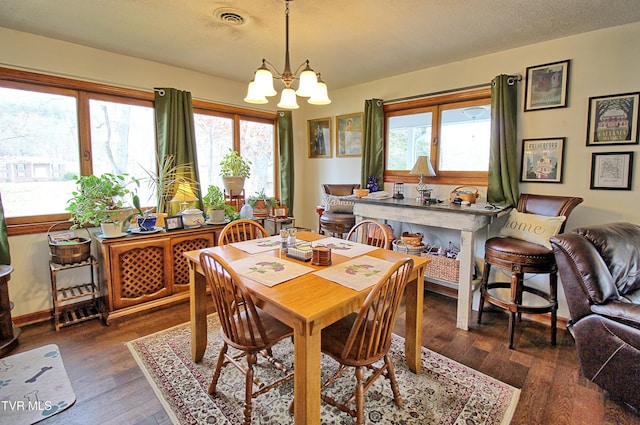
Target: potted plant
[
  {"x": 261, "y": 203},
  {"x": 233, "y": 170},
  {"x": 166, "y": 181},
  {"x": 216, "y": 206},
  {"x": 99, "y": 201}
]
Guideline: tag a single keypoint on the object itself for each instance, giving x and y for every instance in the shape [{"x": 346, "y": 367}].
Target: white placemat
[
  {"x": 255, "y": 246},
  {"x": 342, "y": 247},
  {"x": 268, "y": 270},
  {"x": 358, "y": 273}
]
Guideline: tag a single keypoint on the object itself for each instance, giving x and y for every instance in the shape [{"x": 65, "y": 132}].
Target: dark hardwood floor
[{"x": 111, "y": 389}]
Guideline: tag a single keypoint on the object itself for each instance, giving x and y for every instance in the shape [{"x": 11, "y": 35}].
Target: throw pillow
[
  {"x": 336, "y": 205},
  {"x": 532, "y": 228}
]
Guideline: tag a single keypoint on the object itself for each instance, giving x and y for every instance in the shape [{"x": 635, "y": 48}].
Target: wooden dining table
[{"x": 307, "y": 304}]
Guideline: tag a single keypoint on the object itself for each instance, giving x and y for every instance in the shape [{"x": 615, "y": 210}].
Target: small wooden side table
[{"x": 8, "y": 333}]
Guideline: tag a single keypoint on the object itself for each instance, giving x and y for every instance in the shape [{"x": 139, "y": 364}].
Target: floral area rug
[
  {"x": 33, "y": 386},
  {"x": 446, "y": 392}
]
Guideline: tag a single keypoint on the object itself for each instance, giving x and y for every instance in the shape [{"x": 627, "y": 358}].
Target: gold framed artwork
[
  {"x": 349, "y": 134},
  {"x": 319, "y": 137}
]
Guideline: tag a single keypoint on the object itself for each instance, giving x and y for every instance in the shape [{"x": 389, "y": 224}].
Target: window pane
[
  {"x": 214, "y": 137},
  {"x": 464, "y": 139},
  {"x": 256, "y": 144},
  {"x": 123, "y": 141},
  {"x": 409, "y": 136},
  {"x": 38, "y": 151}
]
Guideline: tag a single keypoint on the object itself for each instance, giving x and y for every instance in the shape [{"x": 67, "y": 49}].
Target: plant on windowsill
[
  {"x": 216, "y": 207},
  {"x": 233, "y": 170},
  {"x": 261, "y": 203},
  {"x": 99, "y": 201}
]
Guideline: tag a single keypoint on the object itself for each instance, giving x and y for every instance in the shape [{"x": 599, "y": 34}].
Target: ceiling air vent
[{"x": 230, "y": 16}]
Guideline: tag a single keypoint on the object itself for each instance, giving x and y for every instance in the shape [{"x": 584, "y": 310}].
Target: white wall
[{"x": 602, "y": 62}]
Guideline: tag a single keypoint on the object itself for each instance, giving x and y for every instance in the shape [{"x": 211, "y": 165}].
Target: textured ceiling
[{"x": 348, "y": 41}]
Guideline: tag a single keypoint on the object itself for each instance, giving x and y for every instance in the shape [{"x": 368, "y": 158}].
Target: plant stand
[{"x": 75, "y": 303}]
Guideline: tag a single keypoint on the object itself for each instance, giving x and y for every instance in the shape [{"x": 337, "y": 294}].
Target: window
[
  {"x": 452, "y": 130},
  {"x": 254, "y": 139},
  {"x": 53, "y": 128}
]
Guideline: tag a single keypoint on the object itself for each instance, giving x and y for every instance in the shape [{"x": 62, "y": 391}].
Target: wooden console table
[{"x": 466, "y": 219}]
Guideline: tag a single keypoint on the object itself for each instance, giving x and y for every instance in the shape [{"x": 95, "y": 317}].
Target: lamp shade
[
  {"x": 320, "y": 96},
  {"x": 253, "y": 95},
  {"x": 263, "y": 79},
  {"x": 288, "y": 99},
  {"x": 184, "y": 194},
  {"x": 308, "y": 82},
  {"x": 423, "y": 167}
]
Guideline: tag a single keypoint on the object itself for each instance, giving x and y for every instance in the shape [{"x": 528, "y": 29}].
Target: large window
[
  {"x": 52, "y": 129},
  {"x": 452, "y": 130},
  {"x": 254, "y": 139}
]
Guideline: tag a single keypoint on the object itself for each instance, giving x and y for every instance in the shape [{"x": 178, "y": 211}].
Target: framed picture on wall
[
  {"x": 613, "y": 120},
  {"x": 547, "y": 86},
  {"x": 611, "y": 170},
  {"x": 319, "y": 134},
  {"x": 542, "y": 160},
  {"x": 349, "y": 135}
]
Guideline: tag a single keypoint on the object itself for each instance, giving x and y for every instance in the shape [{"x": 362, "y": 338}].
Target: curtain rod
[{"x": 513, "y": 80}]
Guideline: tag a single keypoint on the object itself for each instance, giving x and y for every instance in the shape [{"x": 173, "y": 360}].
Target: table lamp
[
  {"x": 184, "y": 195},
  {"x": 422, "y": 168}
]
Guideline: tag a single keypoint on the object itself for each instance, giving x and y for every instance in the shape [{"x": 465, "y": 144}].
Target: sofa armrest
[{"x": 626, "y": 313}]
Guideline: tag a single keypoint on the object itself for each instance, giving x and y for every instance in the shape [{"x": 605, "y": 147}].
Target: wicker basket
[
  {"x": 442, "y": 267},
  {"x": 68, "y": 253},
  {"x": 413, "y": 239},
  {"x": 465, "y": 193},
  {"x": 400, "y": 246}
]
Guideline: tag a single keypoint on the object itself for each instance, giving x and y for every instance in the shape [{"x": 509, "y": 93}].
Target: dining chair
[
  {"x": 370, "y": 232},
  {"x": 244, "y": 327},
  {"x": 361, "y": 339},
  {"x": 241, "y": 230}
]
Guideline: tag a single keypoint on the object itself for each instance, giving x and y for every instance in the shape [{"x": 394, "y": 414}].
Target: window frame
[
  {"x": 435, "y": 104},
  {"x": 83, "y": 91}
]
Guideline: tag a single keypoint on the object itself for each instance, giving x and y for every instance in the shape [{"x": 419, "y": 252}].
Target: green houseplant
[
  {"x": 261, "y": 203},
  {"x": 216, "y": 206},
  {"x": 168, "y": 180},
  {"x": 100, "y": 199},
  {"x": 233, "y": 170}
]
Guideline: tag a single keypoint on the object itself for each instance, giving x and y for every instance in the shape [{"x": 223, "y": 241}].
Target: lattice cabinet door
[
  {"x": 180, "y": 263},
  {"x": 141, "y": 271}
]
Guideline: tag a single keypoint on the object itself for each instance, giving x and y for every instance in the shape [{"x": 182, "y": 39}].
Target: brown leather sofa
[{"x": 599, "y": 267}]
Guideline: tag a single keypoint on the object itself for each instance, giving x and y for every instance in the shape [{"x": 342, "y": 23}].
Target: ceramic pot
[
  {"x": 111, "y": 229},
  {"x": 147, "y": 223},
  {"x": 192, "y": 218},
  {"x": 215, "y": 216}
]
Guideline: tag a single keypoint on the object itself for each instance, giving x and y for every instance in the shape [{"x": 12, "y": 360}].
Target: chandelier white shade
[{"x": 309, "y": 83}]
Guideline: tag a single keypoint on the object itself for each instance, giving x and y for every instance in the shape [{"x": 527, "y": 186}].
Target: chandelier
[{"x": 310, "y": 84}]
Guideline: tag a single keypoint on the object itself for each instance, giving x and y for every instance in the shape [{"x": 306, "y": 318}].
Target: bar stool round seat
[
  {"x": 518, "y": 257},
  {"x": 337, "y": 223}
]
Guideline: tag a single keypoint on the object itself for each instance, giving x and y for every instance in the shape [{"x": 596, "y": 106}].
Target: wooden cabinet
[{"x": 146, "y": 272}]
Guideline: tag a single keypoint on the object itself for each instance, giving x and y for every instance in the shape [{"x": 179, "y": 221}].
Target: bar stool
[{"x": 519, "y": 257}]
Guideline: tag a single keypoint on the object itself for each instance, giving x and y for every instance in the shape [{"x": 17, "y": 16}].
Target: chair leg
[
  {"x": 516, "y": 300},
  {"x": 360, "y": 395},
  {"x": 553, "y": 281},
  {"x": 512, "y": 326},
  {"x": 483, "y": 288},
  {"x": 252, "y": 358},
  {"x": 397, "y": 398},
  {"x": 216, "y": 373}
]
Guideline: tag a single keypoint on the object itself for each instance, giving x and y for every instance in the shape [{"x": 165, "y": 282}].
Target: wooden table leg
[
  {"x": 413, "y": 339},
  {"x": 306, "y": 384},
  {"x": 465, "y": 280},
  {"x": 198, "y": 311}
]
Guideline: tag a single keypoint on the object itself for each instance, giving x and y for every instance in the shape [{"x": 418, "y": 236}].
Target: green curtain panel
[
  {"x": 5, "y": 255},
  {"x": 285, "y": 158},
  {"x": 503, "y": 162},
  {"x": 176, "y": 132},
  {"x": 372, "y": 142}
]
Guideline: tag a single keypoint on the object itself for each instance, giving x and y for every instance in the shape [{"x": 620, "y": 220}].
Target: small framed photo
[
  {"x": 542, "y": 160},
  {"x": 173, "y": 223},
  {"x": 611, "y": 171},
  {"x": 613, "y": 120},
  {"x": 349, "y": 135},
  {"x": 319, "y": 133},
  {"x": 547, "y": 86},
  {"x": 281, "y": 211}
]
